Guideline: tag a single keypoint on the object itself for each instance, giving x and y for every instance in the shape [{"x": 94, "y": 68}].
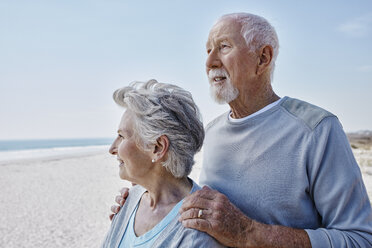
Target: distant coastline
[
  {"x": 50, "y": 149},
  {"x": 16, "y": 145},
  {"x": 360, "y": 140}
]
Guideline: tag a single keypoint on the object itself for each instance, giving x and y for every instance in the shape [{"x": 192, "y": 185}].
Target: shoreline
[{"x": 49, "y": 154}]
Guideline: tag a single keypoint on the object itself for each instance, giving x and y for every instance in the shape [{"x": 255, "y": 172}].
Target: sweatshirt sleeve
[{"x": 338, "y": 191}]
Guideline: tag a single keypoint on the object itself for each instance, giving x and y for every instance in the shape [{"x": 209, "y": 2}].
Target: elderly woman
[{"x": 158, "y": 136}]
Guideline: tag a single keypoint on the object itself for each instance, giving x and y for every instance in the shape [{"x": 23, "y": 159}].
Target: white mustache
[{"x": 213, "y": 73}]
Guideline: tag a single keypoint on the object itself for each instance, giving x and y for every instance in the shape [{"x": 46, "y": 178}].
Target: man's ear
[
  {"x": 161, "y": 147},
  {"x": 265, "y": 58}
]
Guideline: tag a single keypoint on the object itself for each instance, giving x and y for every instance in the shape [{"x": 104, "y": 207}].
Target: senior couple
[{"x": 280, "y": 171}]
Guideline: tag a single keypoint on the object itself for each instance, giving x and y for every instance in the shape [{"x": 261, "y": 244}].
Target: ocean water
[
  {"x": 11, "y": 145},
  {"x": 20, "y": 150}
]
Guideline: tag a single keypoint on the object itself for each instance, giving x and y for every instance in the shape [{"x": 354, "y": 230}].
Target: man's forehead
[{"x": 223, "y": 30}]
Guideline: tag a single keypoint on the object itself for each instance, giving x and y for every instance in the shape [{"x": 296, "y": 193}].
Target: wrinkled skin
[
  {"x": 216, "y": 217},
  {"x": 226, "y": 223}
]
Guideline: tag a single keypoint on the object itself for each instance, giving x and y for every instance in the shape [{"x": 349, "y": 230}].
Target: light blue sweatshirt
[{"x": 291, "y": 165}]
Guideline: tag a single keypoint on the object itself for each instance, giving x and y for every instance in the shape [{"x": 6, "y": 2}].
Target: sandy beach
[
  {"x": 59, "y": 202},
  {"x": 65, "y": 202}
]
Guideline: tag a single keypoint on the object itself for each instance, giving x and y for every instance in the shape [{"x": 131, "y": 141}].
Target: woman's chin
[{"x": 122, "y": 174}]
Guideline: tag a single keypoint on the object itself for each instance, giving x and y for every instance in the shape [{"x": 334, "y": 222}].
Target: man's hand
[
  {"x": 219, "y": 217},
  {"x": 228, "y": 225},
  {"x": 120, "y": 199}
]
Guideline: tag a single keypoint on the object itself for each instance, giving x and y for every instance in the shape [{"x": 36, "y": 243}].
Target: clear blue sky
[{"x": 60, "y": 61}]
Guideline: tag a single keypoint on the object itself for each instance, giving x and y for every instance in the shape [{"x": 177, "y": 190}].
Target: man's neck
[{"x": 246, "y": 105}]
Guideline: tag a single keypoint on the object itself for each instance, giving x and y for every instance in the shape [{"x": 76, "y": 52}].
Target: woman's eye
[{"x": 121, "y": 136}]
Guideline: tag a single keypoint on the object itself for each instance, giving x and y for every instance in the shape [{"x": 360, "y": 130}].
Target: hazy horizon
[{"x": 60, "y": 61}]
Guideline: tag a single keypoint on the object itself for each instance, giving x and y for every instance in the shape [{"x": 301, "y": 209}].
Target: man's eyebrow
[
  {"x": 207, "y": 44},
  {"x": 223, "y": 38},
  {"x": 218, "y": 40}
]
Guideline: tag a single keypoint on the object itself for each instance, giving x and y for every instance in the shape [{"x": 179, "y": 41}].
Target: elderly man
[{"x": 282, "y": 171}]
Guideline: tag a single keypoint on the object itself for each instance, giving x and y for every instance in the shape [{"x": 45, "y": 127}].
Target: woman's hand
[{"x": 120, "y": 199}]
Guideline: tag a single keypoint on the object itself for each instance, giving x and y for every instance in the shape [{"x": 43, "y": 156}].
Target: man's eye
[
  {"x": 121, "y": 136},
  {"x": 222, "y": 46}
]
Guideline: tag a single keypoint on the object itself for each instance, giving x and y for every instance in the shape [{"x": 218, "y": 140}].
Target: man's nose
[{"x": 213, "y": 60}]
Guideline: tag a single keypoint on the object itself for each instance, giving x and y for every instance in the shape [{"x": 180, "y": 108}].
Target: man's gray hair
[
  {"x": 165, "y": 109},
  {"x": 257, "y": 32}
]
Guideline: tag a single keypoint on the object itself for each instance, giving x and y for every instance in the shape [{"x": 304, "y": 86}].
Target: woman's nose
[{"x": 113, "y": 149}]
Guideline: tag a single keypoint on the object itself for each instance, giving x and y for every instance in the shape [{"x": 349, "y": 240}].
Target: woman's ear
[{"x": 161, "y": 147}]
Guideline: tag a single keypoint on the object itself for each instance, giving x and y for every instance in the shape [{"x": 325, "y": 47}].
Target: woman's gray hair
[
  {"x": 257, "y": 32},
  {"x": 165, "y": 109}
]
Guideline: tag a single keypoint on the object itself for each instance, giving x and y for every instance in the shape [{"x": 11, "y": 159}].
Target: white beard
[{"x": 221, "y": 93}]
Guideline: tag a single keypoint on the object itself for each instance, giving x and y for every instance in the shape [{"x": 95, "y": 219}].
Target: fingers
[
  {"x": 124, "y": 192},
  {"x": 201, "y": 199},
  {"x": 194, "y": 213},
  {"x": 199, "y": 224},
  {"x": 111, "y": 216},
  {"x": 189, "y": 214},
  {"x": 120, "y": 199},
  {"x": 115, "y": 209},
  {"x": 195, "y": 202},
  {"x": 207, "y": 193}
]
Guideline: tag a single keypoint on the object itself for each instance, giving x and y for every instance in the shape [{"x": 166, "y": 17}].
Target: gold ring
[{"x": 200, "y": 213}]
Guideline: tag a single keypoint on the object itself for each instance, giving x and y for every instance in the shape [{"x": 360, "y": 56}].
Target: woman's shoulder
[
  {"x": 131, "y": 202},
  {"x": 176, "y": 235},
  {"x": 196, "y": 238},
  {"x": 136, "y": 190}
]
